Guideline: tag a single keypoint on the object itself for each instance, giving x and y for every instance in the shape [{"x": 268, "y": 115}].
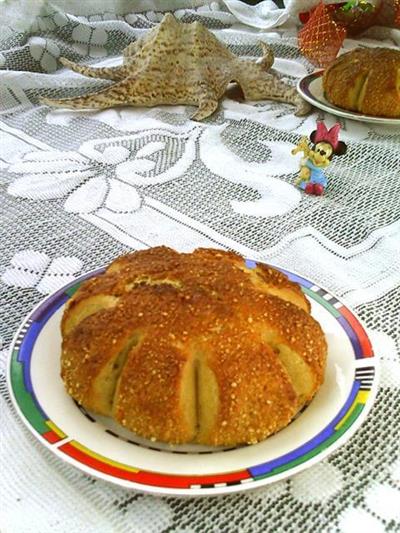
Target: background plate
[
  {"x": 101, "y": 448},
  {"x": 310, "y": 88}
]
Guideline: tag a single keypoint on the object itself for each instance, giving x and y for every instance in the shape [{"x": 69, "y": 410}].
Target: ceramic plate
[
  {"x": 310, "y": 88},
  {"x": 101, "y": 448}
]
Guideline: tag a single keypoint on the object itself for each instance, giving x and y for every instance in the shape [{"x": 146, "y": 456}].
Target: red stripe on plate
[
  {"x": 160, "y": 480},
  {"x": 51, "y": 437},
  {"x": 364, "y": 341},
  {"x": 96, "y": 464},
  {"x": 150, "y": 478}
]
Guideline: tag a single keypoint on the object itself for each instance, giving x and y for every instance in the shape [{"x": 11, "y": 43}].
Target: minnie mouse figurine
[{"x": 326, "y": 144}]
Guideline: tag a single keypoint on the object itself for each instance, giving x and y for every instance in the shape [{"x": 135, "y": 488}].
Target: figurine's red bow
[{"x": 330, "y": 136}]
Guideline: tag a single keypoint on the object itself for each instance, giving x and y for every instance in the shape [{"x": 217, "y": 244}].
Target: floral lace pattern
[
  {"x": 30, "y": 268},
  {"x": 102, "y": 173}
]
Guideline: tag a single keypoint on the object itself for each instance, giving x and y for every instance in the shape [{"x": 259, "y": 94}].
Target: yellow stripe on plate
[
  {"x": 56, "y": 429},
  {"x": 346, "y": 416},
  {"x": 101, "y": 458},
  {"x": 361, "y": 397}
]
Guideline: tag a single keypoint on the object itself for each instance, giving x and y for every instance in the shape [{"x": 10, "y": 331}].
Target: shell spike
[
  {"x": 268, "y": 56},
  {"x": 107, "y": 73}
]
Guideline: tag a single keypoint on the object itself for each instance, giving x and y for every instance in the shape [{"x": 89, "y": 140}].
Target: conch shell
[{"x": 178, "y": 63}]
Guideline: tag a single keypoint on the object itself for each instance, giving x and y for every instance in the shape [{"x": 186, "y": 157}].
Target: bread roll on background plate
[{"x": 366, "y": 80}]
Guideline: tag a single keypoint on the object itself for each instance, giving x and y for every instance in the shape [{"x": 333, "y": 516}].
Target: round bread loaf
[
  {"x": 195, "y": 347},
  {"x": 366, "y": 80}
]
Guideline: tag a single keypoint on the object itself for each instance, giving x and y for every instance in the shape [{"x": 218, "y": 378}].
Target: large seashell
[{"x": 178, "y": 63}]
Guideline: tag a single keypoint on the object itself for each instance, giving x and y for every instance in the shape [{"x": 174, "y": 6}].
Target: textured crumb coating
[
  {"x": 366, "y": 80},
  {"x": 194, "y": 347}
]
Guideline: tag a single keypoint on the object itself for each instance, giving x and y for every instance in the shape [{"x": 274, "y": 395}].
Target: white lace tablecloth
[{"x": 79, "y": 188}]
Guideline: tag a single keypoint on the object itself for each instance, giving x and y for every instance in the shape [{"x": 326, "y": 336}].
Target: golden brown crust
[
  {"x": 147, "y": 400},
  {"x": 158, "y": 319},
  {"x": 258, "y": 396},
  {"x": 366, "y": 80}
]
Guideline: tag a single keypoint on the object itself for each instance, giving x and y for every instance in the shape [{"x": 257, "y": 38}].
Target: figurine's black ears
[{"x": 341, "y": 148}]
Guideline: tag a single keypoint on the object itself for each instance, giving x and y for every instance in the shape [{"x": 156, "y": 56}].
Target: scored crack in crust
[
  {"x": 194, "y": 347},
  {"x": 366, "y": 80}
]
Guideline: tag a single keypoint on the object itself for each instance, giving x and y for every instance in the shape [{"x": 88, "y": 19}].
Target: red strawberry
[{"x": 359, "y": 17}]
